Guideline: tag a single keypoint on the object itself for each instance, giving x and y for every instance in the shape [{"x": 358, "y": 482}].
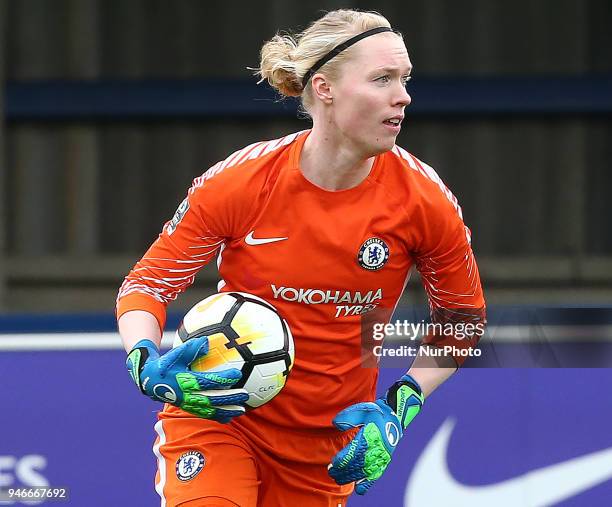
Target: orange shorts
[{"x": 247, "y": 463}]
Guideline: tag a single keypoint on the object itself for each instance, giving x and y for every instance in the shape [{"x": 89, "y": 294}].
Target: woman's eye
[
  {"x": 405, "y": 79},
  {"x": 384, "y": 79}
]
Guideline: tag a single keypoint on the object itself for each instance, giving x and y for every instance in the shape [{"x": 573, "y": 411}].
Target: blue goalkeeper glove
[
  {"x": 382, "y": 423},
  {"x": 167, "y": 378}
]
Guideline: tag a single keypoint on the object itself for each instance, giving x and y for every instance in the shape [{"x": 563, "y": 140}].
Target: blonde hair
[{"x": 286, "y": 58}]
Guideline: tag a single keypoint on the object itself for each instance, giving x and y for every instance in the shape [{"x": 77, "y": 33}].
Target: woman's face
[{"x": 369, "y": 97}]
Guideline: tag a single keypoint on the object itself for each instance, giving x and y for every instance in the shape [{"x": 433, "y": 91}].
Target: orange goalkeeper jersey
[{"x": 327, "y": 260}]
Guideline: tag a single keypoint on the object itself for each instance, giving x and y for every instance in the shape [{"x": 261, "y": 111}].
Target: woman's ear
[{"x": 321, "y": 88}]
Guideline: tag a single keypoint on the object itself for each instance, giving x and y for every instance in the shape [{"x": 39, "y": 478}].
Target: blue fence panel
[{"x": 146, "y": 99}]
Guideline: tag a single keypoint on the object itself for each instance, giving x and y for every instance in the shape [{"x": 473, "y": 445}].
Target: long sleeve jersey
[{"x": 329, "y": 261}]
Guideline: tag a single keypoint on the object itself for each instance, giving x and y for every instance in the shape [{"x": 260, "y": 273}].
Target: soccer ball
[{"x": 244, "y": 332}]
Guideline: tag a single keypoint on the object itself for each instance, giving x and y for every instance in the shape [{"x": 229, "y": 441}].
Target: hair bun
[{"x": 278, "y": 67}]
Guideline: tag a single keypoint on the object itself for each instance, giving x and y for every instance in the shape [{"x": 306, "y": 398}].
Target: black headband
[{"x": 342, "y": 47}]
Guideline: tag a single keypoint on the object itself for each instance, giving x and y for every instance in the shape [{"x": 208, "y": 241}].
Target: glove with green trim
[
  {"x": 167, "y": 378},
  {"x": 382, "y": 423}
]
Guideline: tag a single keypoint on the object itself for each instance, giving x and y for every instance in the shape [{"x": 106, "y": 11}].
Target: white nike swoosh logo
[
  {"x": 431, "y": 482},
  {"x": 250, "y": 240}
]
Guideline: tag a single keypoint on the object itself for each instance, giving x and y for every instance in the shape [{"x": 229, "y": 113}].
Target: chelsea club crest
[
  {"x": 189, "y": 465},
  {"x": 373, "y": 254}
]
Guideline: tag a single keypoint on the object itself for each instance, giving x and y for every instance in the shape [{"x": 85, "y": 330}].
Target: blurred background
[{"x": 109, "y": 109}]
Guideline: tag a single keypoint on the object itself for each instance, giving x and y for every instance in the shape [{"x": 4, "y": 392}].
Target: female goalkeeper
[{"x": 325, "y": 224}]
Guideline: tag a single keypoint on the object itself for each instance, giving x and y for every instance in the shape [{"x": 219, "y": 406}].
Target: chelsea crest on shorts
[
  {"x": 189, "y": 465},
  {"x": 373, "y": 254}
]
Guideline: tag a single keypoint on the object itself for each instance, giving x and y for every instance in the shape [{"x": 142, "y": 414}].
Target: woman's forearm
[
  {"x": 138, "y": 325},
  {"x": 431, "y": 372}
]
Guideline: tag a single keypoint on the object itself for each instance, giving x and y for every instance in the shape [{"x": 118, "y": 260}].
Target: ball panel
[
  {"x": 259, "y": 325},
  {"x": 219, "y": 356},
  {"x": 265, "y": 382},
  {"x": 208, "y": 312},
  {"x": 252, "y": 297},
  {"x": 290, "y": 344}
]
